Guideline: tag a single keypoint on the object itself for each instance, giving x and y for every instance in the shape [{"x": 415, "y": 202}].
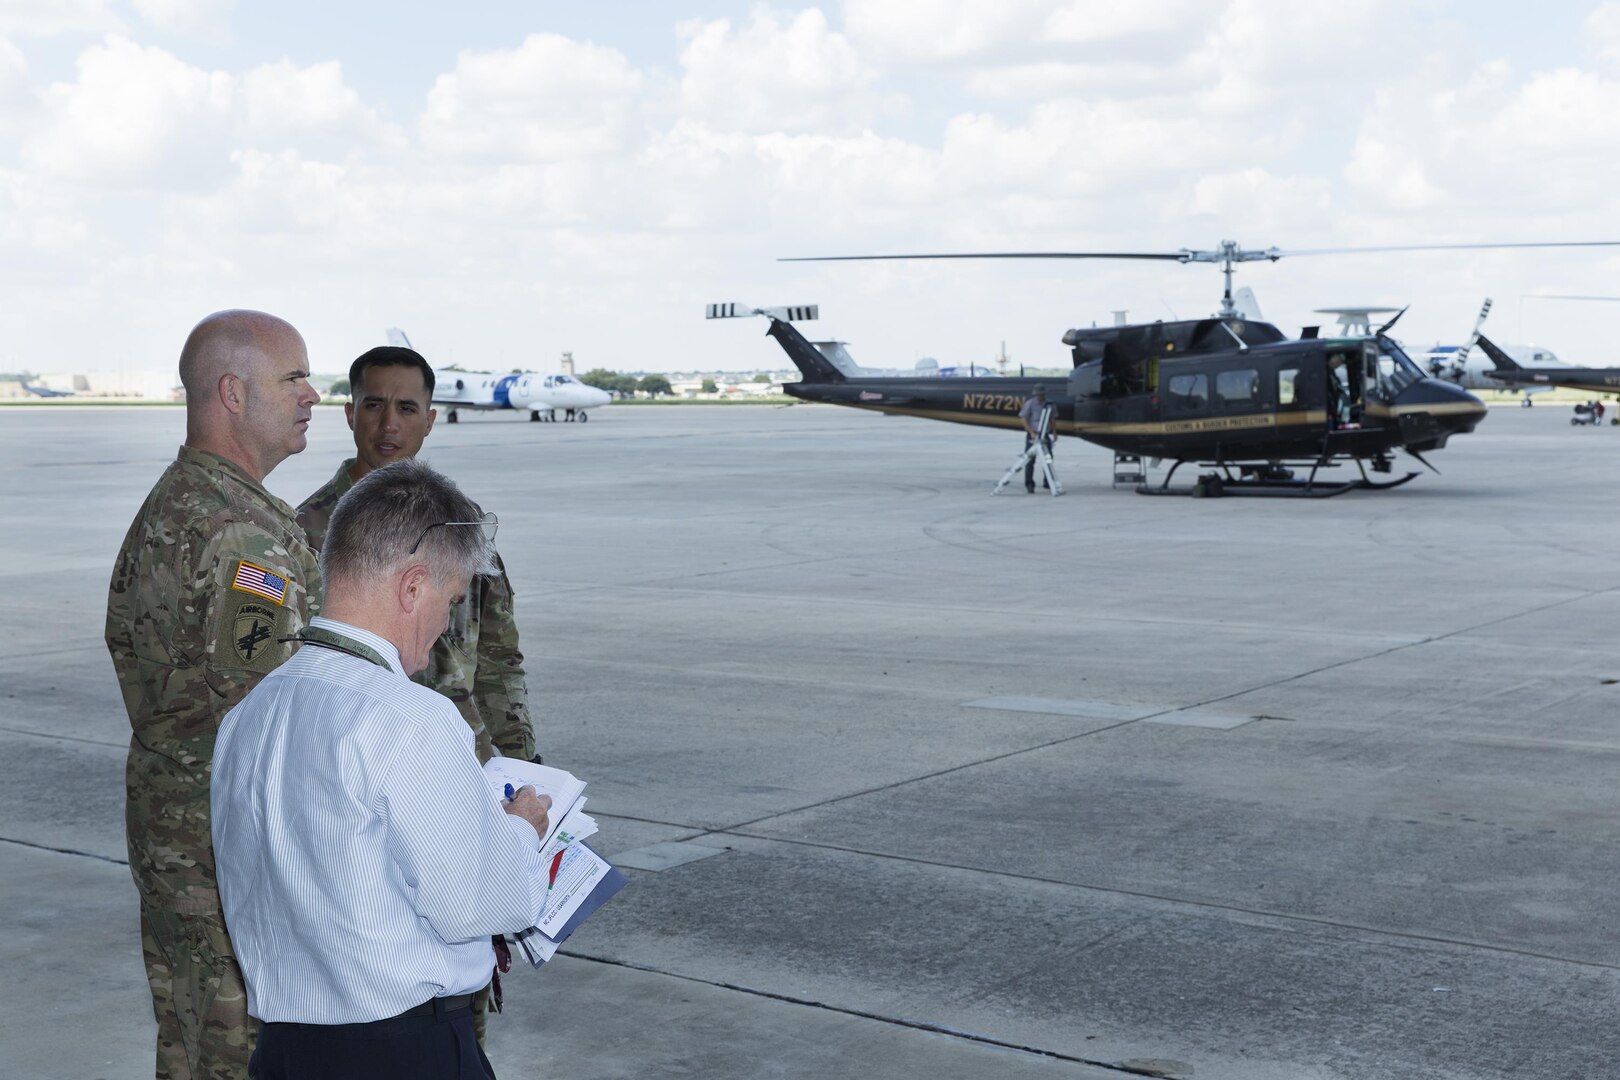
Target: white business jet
[{"x": 543, "y": 395}]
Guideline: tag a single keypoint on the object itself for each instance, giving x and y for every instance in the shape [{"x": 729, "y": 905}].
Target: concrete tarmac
[{"x": 916, "y": 781}]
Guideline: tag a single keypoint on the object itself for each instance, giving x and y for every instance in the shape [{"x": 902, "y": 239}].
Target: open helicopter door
[{"x": 1346, "y": 400}]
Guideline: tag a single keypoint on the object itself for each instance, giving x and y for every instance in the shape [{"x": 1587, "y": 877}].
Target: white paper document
[
  {"x": 564, "y": 788},
  {"x": 578, "y": 879}
]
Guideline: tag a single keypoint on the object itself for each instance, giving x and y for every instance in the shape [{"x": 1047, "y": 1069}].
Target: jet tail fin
[
  {"x": 1502, "y": 360},
  {"x": 397, "y": 338},
  {"x": 812, "y": 364}
]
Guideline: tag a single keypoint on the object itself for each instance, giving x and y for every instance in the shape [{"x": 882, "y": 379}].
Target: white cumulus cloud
[
  {"x": 282, "y": 98},
  {"x": 772, "y": 75},
  {"x": 1602, "y": 31},
  {"x": 549, "y": 98},
  {"x": 133, "y": 111}
]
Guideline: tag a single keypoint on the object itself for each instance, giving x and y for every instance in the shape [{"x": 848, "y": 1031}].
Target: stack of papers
[{"x": 580, "y": 880}]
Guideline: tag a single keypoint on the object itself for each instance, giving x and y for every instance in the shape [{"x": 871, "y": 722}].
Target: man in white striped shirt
[{"x": 363, "y": 863}]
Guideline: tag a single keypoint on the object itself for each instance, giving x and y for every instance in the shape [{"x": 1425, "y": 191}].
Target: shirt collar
[
  {"x": 383, "y": 646},
  {"x": 207, "y": 459},
  {"x": 341, "y": 482}
]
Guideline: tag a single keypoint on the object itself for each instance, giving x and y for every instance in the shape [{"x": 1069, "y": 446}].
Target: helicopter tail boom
[
  {"x": 811, "y": 362},
  {"x": 1504, "y": 363}
]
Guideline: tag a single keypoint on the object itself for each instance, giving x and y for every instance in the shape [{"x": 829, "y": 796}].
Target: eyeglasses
[{"x": 488, "y": 523}]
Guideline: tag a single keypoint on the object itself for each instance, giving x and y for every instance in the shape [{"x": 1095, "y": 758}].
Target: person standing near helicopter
[{"x": 1030, "y": 414}]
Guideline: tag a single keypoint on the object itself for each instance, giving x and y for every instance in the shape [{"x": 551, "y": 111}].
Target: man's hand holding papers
[
  {"x": 531, "y": 807},
  {"x": 579, "y": 879}
]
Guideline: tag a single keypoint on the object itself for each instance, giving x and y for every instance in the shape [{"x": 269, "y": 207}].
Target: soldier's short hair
[
  {"x": 389, "y": 356},
  {"x": 391, "y": 509}
]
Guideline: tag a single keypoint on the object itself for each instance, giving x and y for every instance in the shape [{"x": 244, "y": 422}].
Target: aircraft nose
[{"x": 1430, "y": 411}]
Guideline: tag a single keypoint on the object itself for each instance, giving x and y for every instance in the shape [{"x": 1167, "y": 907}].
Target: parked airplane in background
[
  {"x": 42, "y": 391},
  {"x": 1460, "y": 364},
  {"x": 543, "y": 395},
  {"x": 1509, "y": 375}
]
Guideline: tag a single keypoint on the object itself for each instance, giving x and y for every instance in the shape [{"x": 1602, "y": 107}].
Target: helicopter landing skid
[{"x": 1274, "y": 481}]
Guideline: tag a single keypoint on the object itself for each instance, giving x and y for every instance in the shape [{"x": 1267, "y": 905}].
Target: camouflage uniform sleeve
[
  {"x": 213, "y": 605},
  {"x": 260, "y": 593},
  {"x": 499, "y": 687}
]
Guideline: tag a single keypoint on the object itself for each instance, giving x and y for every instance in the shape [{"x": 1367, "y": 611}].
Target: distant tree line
[{"x": 625, "y": 385}]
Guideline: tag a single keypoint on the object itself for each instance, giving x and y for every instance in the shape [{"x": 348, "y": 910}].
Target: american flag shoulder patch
[{"x": 260, "y": 582}]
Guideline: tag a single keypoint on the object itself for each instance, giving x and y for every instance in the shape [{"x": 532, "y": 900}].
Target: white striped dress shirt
[{"x": 363, "y": 862}]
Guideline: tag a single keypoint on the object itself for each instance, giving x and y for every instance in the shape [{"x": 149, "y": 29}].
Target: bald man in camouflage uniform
[
  {"x": 476, "y": 663},
  {"x": 213, "y": 574}
]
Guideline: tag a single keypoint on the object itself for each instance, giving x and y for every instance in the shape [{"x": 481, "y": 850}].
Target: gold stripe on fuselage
[
  {"x": 1238, "y": 422},
  {"x": 1434, "y": 408}
]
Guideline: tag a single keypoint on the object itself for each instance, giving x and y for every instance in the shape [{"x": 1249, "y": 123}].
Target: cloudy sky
[{"x": 516, "y": 179}]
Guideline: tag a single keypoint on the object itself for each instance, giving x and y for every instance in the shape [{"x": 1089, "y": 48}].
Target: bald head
[
  {"x": 230, "y": 343},
  {"x": 248, "y": 397}
]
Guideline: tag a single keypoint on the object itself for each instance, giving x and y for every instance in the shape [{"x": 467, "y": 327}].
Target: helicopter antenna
[{"x": 1393, "y": 320}]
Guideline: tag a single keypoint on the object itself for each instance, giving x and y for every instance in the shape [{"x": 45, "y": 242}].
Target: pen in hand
[{"x": 509, "y": 793}]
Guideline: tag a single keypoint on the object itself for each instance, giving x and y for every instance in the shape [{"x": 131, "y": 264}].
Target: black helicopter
[{"x": 1229, "y": 392}]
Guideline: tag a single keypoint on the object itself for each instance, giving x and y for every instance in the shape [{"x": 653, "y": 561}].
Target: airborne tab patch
[
  {"x": 254, "y": 627},
  {"x": 260, "y": 582}
]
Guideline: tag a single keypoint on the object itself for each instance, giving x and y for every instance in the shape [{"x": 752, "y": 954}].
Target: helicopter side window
[
  {"x": 1287, "y": 386},
  {"x": 1187, "y": 393},
  {"x": 1239, "y": 387}
]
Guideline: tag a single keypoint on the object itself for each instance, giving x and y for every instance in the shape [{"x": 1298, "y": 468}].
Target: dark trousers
[
  {"x": 1029, "y": 466},
  {"x": 437, "y": 1045}
]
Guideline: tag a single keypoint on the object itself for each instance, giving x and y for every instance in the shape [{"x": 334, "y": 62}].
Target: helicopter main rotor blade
[
  {"x": 1449, "y": 247},
  {"x": 1171, "y": 256},
  {"x": 1562, "y": 296}
]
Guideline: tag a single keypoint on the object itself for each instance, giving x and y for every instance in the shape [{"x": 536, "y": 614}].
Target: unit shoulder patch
[{"x": 253, "y": 631}]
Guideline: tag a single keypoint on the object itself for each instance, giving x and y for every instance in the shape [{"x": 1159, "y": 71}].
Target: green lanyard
[{"x": 329, "y": 639}]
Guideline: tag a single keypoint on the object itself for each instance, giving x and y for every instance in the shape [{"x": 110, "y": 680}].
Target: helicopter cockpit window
[
  {"x": 1396, "y": 371},
  {"x": 1287, "y": 385},
  {"x": 1240, "y": 387},
  {"x": 1187, "y": 393}
]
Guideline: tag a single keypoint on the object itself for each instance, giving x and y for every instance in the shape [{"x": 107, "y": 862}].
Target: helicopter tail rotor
[
  {"x": 789, "y": 313},
  {"x": 813, "y": 364}
]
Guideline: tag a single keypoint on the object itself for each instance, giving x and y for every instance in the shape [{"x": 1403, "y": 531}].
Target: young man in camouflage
[
  {"x": 213, "y": 574},
  {"x": 476, "y": 663}
]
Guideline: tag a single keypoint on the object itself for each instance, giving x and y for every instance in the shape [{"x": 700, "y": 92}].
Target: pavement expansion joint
[
  {"x": 1129, "y": 1068},
  {"x": 671, "y": 853},
  {"x": 64, "y": 851},
  {"x": 1095, "y": 710},
  {"x": 1199, "y": 719}
]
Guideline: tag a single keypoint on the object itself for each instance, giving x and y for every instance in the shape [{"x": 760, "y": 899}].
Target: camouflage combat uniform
[
  {"x": 476, "y": 663},
  {"x": 212, "y": 573}
]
